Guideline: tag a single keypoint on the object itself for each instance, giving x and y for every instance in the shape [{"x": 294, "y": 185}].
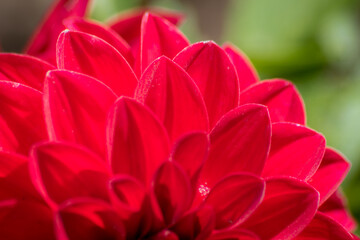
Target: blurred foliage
[{"x": 315, "y": 43}]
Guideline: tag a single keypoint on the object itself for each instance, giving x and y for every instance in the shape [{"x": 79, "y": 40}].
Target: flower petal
[
  {"x": 233, "y": 235},
  {"x": 43, "y": 43},
  {"x": 165, "y": 235},
  {"x": 235, "y": 198},
  {"x": 280, "y": 96},
  {"x": 324, "y": 228},
  {"x": 190, "y": 152},
  {"x": 197, "y": 224},
  {"x": 76, "y": 108},
  {"x": 158, "y": 37},
  {"x": 137, "y": 143},
  {"x": 173, "y": 96},
  {"x": 23, "y": 69},
  {"x": 62, "y": 171},
  {"x": 128, "y": 24},
  {"x": 331, "y": 173},
  {"x": 88, "y": 219},
  {"x": 288, "y": 206},
  {"x": 214, "y": 74},
  {"x": 295, "y": 151},
  {"x": 336, "y": 208},
  {"x": 21, "y": 117},
  {"x": 103, "y": 32},
  {"x": 21, "y": 220},
  {"x": 240, "y": 142},
  {"x": 88, "y": 54},
  {"x": 245, "y": 70},
  {"x": 172, "y": 191}
]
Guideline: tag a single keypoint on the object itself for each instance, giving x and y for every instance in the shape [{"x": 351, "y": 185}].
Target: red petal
[
  {"x": 21, "y": 220},
  {"x": 76, "y": 108},
  {"x": 63, "y": 171},
  {"x": 128, "y": 24},
  {"x": 240, "y": 142},
  {"x": 295, "y": 151},
  {"x": 245, "y": 70},
  {"x": 15, "y": 180},
  {"x": 137, "y": 143},
  {"x": 233, "y": 235},
  {"x": 23, "y": 69},
  {"x": 173, "y": 96},
  {"x": 88, "y": 219},
  {"x": 336, "y": 208},
  {"x": 158, "y": 37},
  {"x": 280, "y": 96},
  {"x": 190, "y": 152},
  {"x": 197, "y": 224},
  {"x": 103, "y": 32},
  {"x": 88, "y": 54},
  {"x": 43, "y": 43},
  {"x": 331, "y": 173},
  {"x": 165, "y": 235},
  {"x": 172, "y": 191},
  {"x": 235, "y": 198},
  {"x": 21, "y": 117},
  {"x": 214, "y": 74},
  {"x": 288, "y": 206},
  {"x": 324, "y": 228}
]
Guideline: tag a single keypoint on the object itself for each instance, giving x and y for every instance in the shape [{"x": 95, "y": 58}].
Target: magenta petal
[
  {"x": 23, "y": 69},
  {"x": 235, "y": 198},
  {"x": 324, "y": 228},
  {"x": 158, "y": 37},
  {"x": 103, "y": 32},
  {"x": 43, "y": 44},
  {"x": 76, "y": 108},
  {"x": 240, "y": 142},
  {"x": 288, "y": 206},
  {"x": 280, "y": 96},
  {"x": 21, "y": 117},
  {"x": 62, "y": 171},
  {"x": 137, "y": 143},
  {"x": 331, "y": 173},
  {"x": 128, "y": 24},
  {"x": 197, "y": 224},
  {"x": 172, "y": 191},
  {"x": 88, "y": 54},
  {"x": 21, "y": 220},
  {"x": 190, "y": 152},
  {"x": 214, "y": 74},
  {"x": 173, "y": 96},
  {"x": 88, "y": 219},
  {"x": 233, "y": 234},
  {"x": 295, "y": 151},
  {"x": 245, "y": 70},
  {"x": 336, "y": 208}
]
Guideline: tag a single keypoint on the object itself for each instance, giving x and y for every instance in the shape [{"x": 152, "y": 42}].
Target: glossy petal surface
[
  {"x": 76, "y": 107},
  {"x": 63, "y": 171},
  {"x": 295, "y": 151},
  {"x": 288, "y": 206},
  {"x": 173, "y": 96},
  {"x": 23, "y": 69},
  {"x": 214, "y": 74},
  {"x": 232, "y": 147},
  {"x": 88, "y": 54},
  {"x": 21, "y": 118},
  {"x": 244, "y": 68},
  {"x": 233, "y": 235},
  {"x": 331, "y": 173},
  {"x": 283, "y": 100},
  {"x": 137, "y": 143}
]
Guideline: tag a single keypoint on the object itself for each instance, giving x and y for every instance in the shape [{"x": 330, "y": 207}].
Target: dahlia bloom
[{"x": 128, "y": 131}]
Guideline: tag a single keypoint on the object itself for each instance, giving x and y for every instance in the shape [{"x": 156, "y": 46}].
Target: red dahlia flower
[{"x": 138, "y": 134}]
